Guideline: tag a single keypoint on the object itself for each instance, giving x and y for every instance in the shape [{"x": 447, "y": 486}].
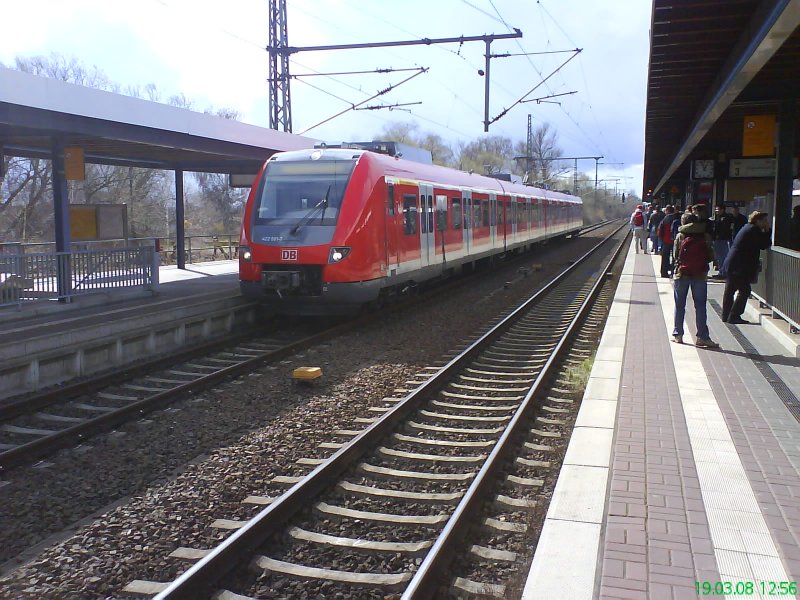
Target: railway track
[
  {"x": 385, "y": 508},
  {"x": 38, "y": 425}
]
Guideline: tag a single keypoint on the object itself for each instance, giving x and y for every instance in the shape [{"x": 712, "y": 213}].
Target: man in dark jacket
[
  {"x": 723, "y": 234},
  {"x": 739, "y": 221},
  {"x": 652, "y": 226},
  {"x": 666, "y": 239},
  {"x": 742, "y": 265}
]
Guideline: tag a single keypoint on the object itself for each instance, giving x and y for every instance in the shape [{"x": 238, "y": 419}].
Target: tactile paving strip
[{"x": 787, "y": 396}]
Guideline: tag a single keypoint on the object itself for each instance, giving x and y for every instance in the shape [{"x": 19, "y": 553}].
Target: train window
[
  {"x": 409, "y": 214},
  {"x": 390, "y": 199},
  {"x": 493, "y": 213},
  {"x": 477, "y": 213},
  {"x": 501, "y": 213},
  {"x": 485, "y": 213},
  {"x": 456, "y": 213},
  {"x": 305, "y": 191},
  {"x": 441, "y": 213},
  {"x": 429, "y": 213}
]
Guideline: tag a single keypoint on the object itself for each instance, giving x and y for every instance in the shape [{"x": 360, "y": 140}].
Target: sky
[{"x": 213, "y": 53}]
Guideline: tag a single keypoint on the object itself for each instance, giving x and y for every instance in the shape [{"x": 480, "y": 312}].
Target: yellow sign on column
[
  {"x": 74, "y": 166},
  {"x": 758, "y": 136}
]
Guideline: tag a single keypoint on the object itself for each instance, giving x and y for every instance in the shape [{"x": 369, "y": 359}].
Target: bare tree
[
  {"x": 490, "y": 154},
  {"x": 406, "y": 132},
  {"x": 544, "y": 149}
]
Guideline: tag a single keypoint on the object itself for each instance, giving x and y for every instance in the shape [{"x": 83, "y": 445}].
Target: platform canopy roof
[
  {"x": 712, "y": 62},
  {"x": 121, "y": 130}
]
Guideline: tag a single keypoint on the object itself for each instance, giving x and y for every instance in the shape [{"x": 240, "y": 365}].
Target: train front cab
[{"x": 304, "y": 249}]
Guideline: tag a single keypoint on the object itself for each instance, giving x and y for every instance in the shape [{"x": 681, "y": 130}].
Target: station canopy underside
[
  {"x": 707, "y": 72},
  {"x": 121, "y": 130}
]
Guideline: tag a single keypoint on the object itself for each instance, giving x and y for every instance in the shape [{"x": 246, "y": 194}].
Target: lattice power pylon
[{"x": 280, "y": 103}]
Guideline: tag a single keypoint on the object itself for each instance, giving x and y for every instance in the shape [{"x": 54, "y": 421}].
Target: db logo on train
[{"x": 289, "y": 254}]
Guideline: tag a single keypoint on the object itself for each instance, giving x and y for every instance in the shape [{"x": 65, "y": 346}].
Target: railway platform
[
  {"x": 682, "y": 476},
  {"x": 43, "y": 344}
]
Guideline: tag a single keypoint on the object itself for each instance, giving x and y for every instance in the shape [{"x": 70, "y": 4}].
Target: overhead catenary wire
[
  {"x": 504, "y": 112},
  {"x": 549, "y": 89},
  {"x": 458, "y": 97}
]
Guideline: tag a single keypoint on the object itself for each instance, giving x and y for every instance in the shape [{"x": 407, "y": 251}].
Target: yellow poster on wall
[
  {"x": 758, "y": 135},
  {"x": 74, "y": 165},
  {"x": 82, "y": 222}
]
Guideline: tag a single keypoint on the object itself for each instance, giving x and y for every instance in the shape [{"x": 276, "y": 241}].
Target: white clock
[{"x": 703, "y": 169}]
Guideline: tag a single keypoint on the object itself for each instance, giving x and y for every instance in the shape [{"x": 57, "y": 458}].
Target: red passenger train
[{"x": 328, "y": 230}]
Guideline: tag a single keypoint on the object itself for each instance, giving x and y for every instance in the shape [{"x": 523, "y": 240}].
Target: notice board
[{"x": 97, "y": 222}]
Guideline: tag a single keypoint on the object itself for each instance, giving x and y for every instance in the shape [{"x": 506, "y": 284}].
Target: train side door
[
  {"x": 466, "y": 205},
  {"x": 528, "y": 220},
  {"x": 390, "y": 230},
  {"x": 427, "y": 226},
  {"x": 514, "y": 219},
  {"x": 493, "y": 220}
]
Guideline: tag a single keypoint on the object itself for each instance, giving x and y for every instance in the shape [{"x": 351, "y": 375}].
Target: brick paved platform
[{"x": 685, "y": 463}]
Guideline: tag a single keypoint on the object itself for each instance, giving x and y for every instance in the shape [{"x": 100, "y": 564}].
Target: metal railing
[
  {"x": 198, "y": 248},
  {"x": 64, "y": 275},
  {"x": 778, "y": 284},
  {"x": 201, "y": 248}
]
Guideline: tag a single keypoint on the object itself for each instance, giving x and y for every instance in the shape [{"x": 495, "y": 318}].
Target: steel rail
[
  {"x": 427, "y": 579},
  {"x": 199, "y": 578},
  {"x": 65, "y": 437},
  {"x": 31, "y": 402},
  {"x": 28, "y": 403}
]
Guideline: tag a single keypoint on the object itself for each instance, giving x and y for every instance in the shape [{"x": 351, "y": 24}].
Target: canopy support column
[
  {"x": 180, "y": 229},
  {"x": 783, "y": 173},
  {"x": 62, "y": 225}
]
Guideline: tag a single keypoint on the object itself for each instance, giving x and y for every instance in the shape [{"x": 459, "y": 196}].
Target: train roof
[{"x": 406, "y": 169}]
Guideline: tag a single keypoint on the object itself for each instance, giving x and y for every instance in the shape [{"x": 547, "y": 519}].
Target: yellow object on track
[{"x": 306, "y": 373}]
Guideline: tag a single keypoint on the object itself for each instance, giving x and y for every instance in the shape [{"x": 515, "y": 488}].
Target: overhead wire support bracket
[
  {"x": 389, "y": 106},
  {"x": 545, "y": 98},
  {"x": 505, "y": 111},
  {"x": 284, "y": 51},
  {"x": 512, "y": 54},
  {"x": 369, "y": 72},
  {"x": 385, "y": 90}
]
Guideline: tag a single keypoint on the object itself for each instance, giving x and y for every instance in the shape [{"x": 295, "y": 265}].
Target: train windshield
[{"x": 303, "y": 192}]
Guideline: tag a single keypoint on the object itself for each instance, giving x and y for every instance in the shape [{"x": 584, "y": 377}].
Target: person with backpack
[
  {"x": 692, "y": 252},
  {"x": 665, "y": 237},
  {"x": 652, "y": 226},
  {"x": 638, "y": 225},
  {"x": 742, "y": 266}
]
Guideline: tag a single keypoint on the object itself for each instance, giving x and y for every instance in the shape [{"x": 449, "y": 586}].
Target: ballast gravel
[{"x": 176, "y": 471}]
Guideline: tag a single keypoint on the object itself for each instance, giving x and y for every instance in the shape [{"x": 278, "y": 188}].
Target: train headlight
[
  {"x": 245, "y": 253},
  {"x": 337, "y": 254}
]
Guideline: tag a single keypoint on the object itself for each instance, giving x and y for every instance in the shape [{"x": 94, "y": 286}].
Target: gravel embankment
[{"x": 194, "y": 463}]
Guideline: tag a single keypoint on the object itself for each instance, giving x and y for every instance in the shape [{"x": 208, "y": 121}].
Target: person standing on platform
[
  {"x": 794, "y": 228},
  {"x": 652, "y": 225},
  {"x": 692, "y": 252},
  {"x": 723, "y": 234},
  {"x": 666, "y": 239},
  {"x": 638, "y": 225},
  {"x": 739, "y": 221},
  {"x": 743, "y": 265}
]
